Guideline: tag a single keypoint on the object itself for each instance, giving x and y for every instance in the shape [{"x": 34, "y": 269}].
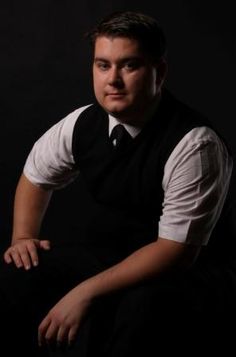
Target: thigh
[
  {"x": 26, "y": 296},
  {"x": 148, "y": 318},
  {"x": 59, "y": 269},
  {"x": 179, "y": 311}
]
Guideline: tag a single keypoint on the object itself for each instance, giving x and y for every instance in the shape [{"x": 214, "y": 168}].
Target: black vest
[{"x": 122, "y": 190}]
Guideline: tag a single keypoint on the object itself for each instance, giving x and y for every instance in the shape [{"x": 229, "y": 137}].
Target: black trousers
[{"x": 188, "y": 312}]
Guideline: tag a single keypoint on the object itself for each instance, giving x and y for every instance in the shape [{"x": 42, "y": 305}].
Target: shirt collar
[{"x": 132, "y": 130}]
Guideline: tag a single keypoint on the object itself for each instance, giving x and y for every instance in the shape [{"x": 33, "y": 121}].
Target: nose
[{"x": 115, "y": 78}]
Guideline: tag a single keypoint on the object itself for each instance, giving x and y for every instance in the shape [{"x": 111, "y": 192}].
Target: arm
[
  {"x": 200, "y": 202},
  {"x": 63, "y": 320},
  {"x": 29, "y": 208},
  {"x": 49, "y": 166},
  {"x": 147, "y": 262}
]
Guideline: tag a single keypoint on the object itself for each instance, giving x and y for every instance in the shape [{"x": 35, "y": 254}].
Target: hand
[
  {"x": 61, "y": 324},
  {"x": 24, "y": 252}
]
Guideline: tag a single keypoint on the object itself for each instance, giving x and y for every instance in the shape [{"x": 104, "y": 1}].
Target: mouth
[{"x": 115, "y": 95}]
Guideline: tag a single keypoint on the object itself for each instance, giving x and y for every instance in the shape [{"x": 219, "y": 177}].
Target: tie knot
[{"x": 120, "y": 135}]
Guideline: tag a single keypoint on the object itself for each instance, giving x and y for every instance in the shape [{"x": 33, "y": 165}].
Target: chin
[
  {"x": 115, "y": 110},
  {"x": 118, "y": 109}
]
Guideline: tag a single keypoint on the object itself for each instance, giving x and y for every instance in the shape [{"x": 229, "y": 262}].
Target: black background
[{"x": 45, "y": 69}]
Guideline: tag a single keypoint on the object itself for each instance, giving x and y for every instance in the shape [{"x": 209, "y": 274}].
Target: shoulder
[
  {"x": 201, "y": 135},
  {"x": 63, "y": 129},
  {"x": 60, "y": 134},
  {"x": 67, "y": 123},
  {"x": 76, "y": 113},
  {"x": 198, "y": 144},
  {"x": 90, "y": 118},
  {"x": 199, "y": 138}
]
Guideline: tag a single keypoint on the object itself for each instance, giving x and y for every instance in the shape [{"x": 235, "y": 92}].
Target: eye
[
  {"x": 131, "y": 65},
  {"x": 103, "y": 66}
]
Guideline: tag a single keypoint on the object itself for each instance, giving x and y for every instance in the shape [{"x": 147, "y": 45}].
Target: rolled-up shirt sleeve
[
  {"x": 195, "y": 183},
  {"x": 50, "y": 164}
]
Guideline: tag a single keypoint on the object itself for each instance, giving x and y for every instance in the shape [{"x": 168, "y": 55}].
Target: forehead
[{"x": 118, "y": 46}]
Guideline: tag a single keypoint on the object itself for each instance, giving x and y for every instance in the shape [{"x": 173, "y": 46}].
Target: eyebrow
[{"x": 122, "y": 60}]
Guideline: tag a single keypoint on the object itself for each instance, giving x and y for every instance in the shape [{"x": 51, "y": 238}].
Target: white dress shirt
[{"x": 195, "y": 182}]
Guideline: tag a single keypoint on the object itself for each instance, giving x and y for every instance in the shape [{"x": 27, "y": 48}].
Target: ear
[{"x": 162, "y": 69}]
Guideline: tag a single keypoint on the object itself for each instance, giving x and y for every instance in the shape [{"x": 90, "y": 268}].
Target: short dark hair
[{"x": 143, "y": 28}]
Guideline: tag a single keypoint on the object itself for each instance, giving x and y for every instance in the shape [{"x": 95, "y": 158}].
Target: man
[{"x": 150, "y": 244}]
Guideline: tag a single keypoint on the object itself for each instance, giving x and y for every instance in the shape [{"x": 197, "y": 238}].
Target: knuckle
[{"x": 13, "y": 251}]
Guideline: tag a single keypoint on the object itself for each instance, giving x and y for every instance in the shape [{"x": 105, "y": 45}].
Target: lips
[{"x": 115, "y": 94}]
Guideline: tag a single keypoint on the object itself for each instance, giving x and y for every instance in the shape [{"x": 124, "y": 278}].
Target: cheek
[
  {"x": 95, "y": 77},
  {"x": 149, "y": 85},
  {"x": 143, "y": 86},
  {"x": 143, "y": 80},
  {"x": 97, "y": 84}
]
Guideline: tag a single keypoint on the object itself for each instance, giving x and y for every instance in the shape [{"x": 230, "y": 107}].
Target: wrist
[
  {"x": 87, "y": 290},
  {"x": 21, "y": 237}
]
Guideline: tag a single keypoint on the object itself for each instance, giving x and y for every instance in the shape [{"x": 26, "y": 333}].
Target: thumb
[{"x": 44, "y": 244}]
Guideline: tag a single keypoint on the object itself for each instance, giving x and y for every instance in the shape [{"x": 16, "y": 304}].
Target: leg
[
  {"x": 26, "y": 296},
  {"x": 186, "y": 314}
]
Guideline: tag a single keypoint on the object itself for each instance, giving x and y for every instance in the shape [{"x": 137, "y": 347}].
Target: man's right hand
[{"x": 24, "y": 252}]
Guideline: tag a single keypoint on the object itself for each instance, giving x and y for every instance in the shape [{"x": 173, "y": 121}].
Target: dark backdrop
[{"x": 45, "y": 73}]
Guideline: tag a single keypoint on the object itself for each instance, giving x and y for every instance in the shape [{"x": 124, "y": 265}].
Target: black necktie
[{"x": 120, "y": 136}]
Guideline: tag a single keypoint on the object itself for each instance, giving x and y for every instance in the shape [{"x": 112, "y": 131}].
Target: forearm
[
  {"x": 150, "y": 261},
  {"x": 29, "y": 208}
]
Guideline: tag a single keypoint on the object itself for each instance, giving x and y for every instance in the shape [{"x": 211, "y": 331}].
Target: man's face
[{"x": 125, "y": 79}]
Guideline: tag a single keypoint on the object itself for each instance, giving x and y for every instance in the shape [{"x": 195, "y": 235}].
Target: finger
[
  {"x": 33, "y": 253},
  {"x": 72, "y": 335},
  {"x": 42, "y": 330},
  {"x": 51, "y": 333},
  {"x": 62, "y": 335},
  {"x": 29, "y": 256},
  {"x": 16, "y": 257},
  {"x": 25, "y": 258},
  {"x": 45, "y": 244},
  {"x": 7, "y": 257}
]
